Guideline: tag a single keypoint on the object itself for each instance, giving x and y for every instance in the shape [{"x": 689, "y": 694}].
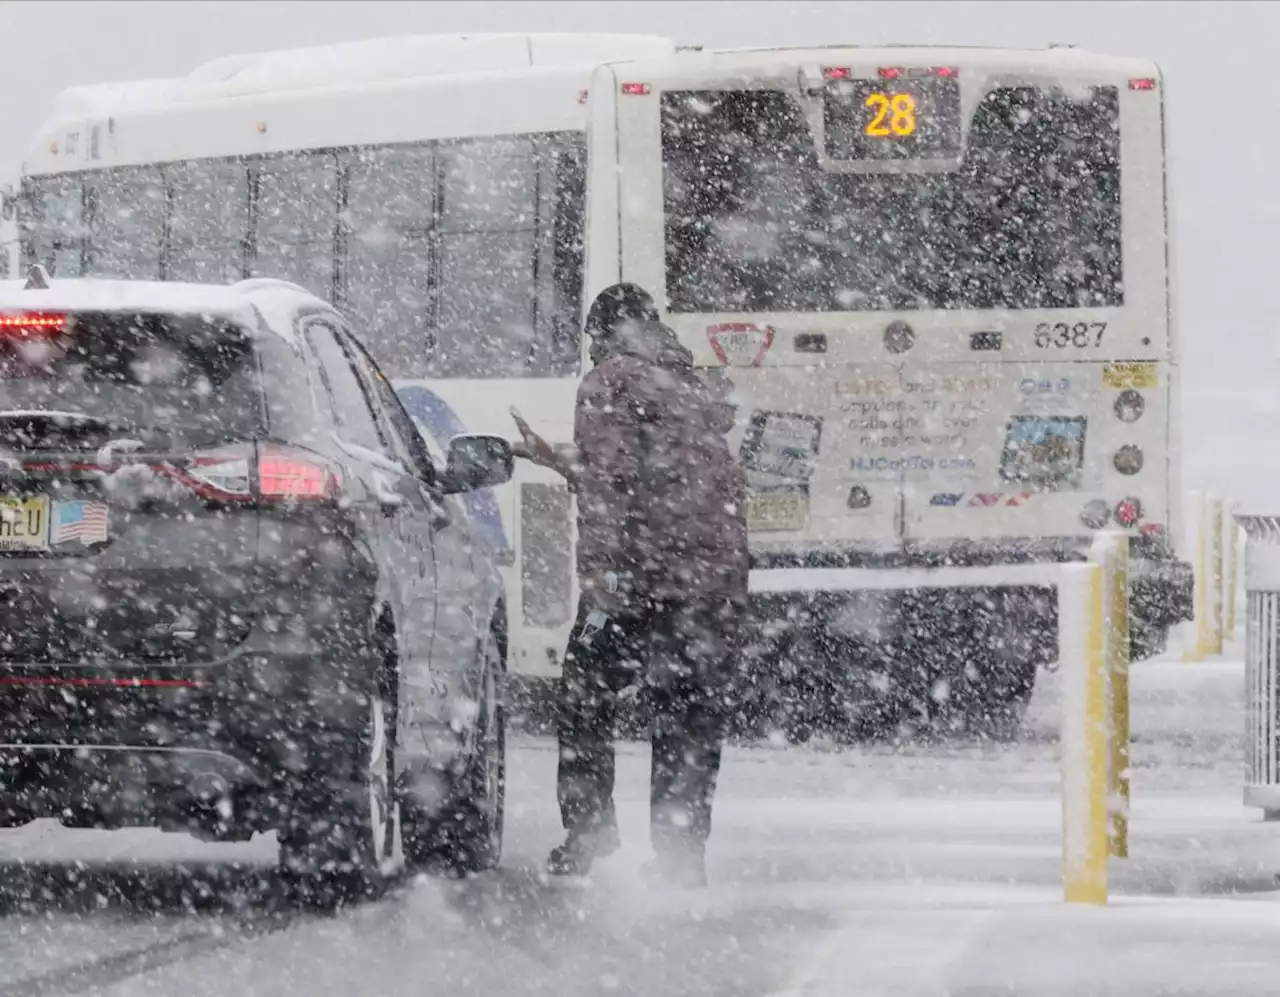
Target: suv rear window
[{"x": 186, "y": 379}]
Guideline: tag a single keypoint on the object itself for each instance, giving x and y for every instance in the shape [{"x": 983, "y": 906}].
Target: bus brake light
[
  {"x": 837, "y": 73},
  {"x": 635, "y": 89},
  {"x": 31, "y": 325},
  {"x": 1142, "y": 84},
  {"x": 1128, "y": 512},
  {"x": 889, "y": 72}
]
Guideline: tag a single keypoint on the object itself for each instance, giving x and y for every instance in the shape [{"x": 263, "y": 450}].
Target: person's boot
[{"x": 581, "y": 849}]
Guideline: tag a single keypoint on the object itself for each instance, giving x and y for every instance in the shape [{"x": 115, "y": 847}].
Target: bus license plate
[
  {"x": 24, "y": 524},
  {"x": 776, "y": 512}
]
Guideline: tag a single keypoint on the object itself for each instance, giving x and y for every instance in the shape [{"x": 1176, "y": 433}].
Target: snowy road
[{"x": 922, "y": 871}]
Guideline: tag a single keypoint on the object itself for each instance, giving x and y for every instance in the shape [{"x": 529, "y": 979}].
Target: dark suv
[{"x": 237, "y": 594}]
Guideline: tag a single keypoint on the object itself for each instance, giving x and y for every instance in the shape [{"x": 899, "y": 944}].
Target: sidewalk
[
  {"x": 1027, "y": 944},
  {"x": 957, "y": 892}
]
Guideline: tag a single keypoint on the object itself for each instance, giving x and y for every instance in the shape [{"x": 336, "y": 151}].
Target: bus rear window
[{"x": 1029, "y": 219}]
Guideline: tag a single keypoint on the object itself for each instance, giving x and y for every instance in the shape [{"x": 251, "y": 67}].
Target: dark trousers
[{"x": 677, "y": 655}]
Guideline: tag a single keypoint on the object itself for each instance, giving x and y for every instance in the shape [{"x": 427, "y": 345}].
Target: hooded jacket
[{"x": 660, "y": 495}]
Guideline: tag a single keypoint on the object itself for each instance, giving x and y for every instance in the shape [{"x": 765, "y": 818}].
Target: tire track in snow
[{"x": 93, "y": 974}]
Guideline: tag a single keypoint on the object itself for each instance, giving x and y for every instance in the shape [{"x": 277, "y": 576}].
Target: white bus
[{"x": 940, "y": 277}]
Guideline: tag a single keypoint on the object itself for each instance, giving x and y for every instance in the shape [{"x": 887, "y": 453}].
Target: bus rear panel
[{"x": 938, "y": 281}]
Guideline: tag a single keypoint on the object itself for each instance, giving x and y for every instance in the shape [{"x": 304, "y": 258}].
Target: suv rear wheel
[
  {"x": 350, "y": 839},
  {"x": 465, "y": 835}
]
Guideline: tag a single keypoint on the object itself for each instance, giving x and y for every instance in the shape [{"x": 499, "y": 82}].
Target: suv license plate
[
  {"x": 778, "y": 512},
  {"x": 24, "y": 524}
]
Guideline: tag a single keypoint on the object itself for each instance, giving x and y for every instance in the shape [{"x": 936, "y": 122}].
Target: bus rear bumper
[{"x": 883, "y": 605}]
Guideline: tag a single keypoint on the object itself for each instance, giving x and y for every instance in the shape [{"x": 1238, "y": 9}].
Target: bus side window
[
  {"x": 208, "y": 221},
  {"x": 126, "y": 223},
  {"x": 296, "y": 220},
  {"x": 52, "y": 225},
  {"x": 562, "y": 222},
  {"x": 487, "y": 232},
  {"x": 464, "y": 259},
  {"x": 387, "y": 227}
]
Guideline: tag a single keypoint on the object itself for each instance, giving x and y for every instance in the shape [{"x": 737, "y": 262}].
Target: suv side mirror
[{"x": 476, "y": 461}]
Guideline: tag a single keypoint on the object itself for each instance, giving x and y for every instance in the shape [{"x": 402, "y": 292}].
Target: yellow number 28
[{"x": 895, "y": 114}]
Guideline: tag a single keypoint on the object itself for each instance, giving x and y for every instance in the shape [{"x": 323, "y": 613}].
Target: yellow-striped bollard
[
  {"x": 1206, "y": 512},
  {"x": 1111, "y": 552},
  {"x": 1082, "y": 665}
]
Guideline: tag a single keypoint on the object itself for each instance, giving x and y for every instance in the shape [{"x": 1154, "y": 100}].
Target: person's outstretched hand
[{"x": 532, "y": 447}]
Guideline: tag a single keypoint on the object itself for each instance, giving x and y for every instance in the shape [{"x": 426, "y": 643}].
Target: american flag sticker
[{"x": 83, "y": 521}]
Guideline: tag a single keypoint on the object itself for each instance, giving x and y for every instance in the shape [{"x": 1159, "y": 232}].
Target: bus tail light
[
  {"x": 859, "y": 497},
  {"x": 1145, "y": 83},
  {"x": 1095, "y": 514},
  {"x": 915, "y": 72},
  {"x": 635, "y": 89},
  {"x": 837, "y": 73},
  {"x": 1128, "y": 512},
  {"x": 1128, "y": 459},
  {"x": 1130, "y": 405}
]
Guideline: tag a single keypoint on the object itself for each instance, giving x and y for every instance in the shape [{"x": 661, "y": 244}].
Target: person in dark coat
[{"x": 662, "y": 569}]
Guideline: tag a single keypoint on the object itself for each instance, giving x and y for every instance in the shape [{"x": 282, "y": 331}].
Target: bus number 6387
[{"x": 1062, "y": 335}]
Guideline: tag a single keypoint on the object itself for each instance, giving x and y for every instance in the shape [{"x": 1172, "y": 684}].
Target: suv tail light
[
  {"x": 283, "y": 474},
  {"x": 293, "y": 474},
  {"x": 222, "y": 474}
]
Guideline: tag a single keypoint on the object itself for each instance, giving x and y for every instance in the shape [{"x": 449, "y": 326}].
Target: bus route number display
[{"x": 892, "y": 119}]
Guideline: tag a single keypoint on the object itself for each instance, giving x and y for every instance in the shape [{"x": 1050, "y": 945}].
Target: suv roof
[{"x": 246, "y": 302}]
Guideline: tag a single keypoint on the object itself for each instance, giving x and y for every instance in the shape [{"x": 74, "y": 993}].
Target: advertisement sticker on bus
[
  {"x": 782, "y": 443},
  {"x": 1129, "y": 375}
]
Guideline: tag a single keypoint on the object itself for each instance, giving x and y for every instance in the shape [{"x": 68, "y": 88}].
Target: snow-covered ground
[{"x": 927, "y": 870}]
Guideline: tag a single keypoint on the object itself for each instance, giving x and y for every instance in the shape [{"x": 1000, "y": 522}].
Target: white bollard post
[{"x": 1082, "y": 665}]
